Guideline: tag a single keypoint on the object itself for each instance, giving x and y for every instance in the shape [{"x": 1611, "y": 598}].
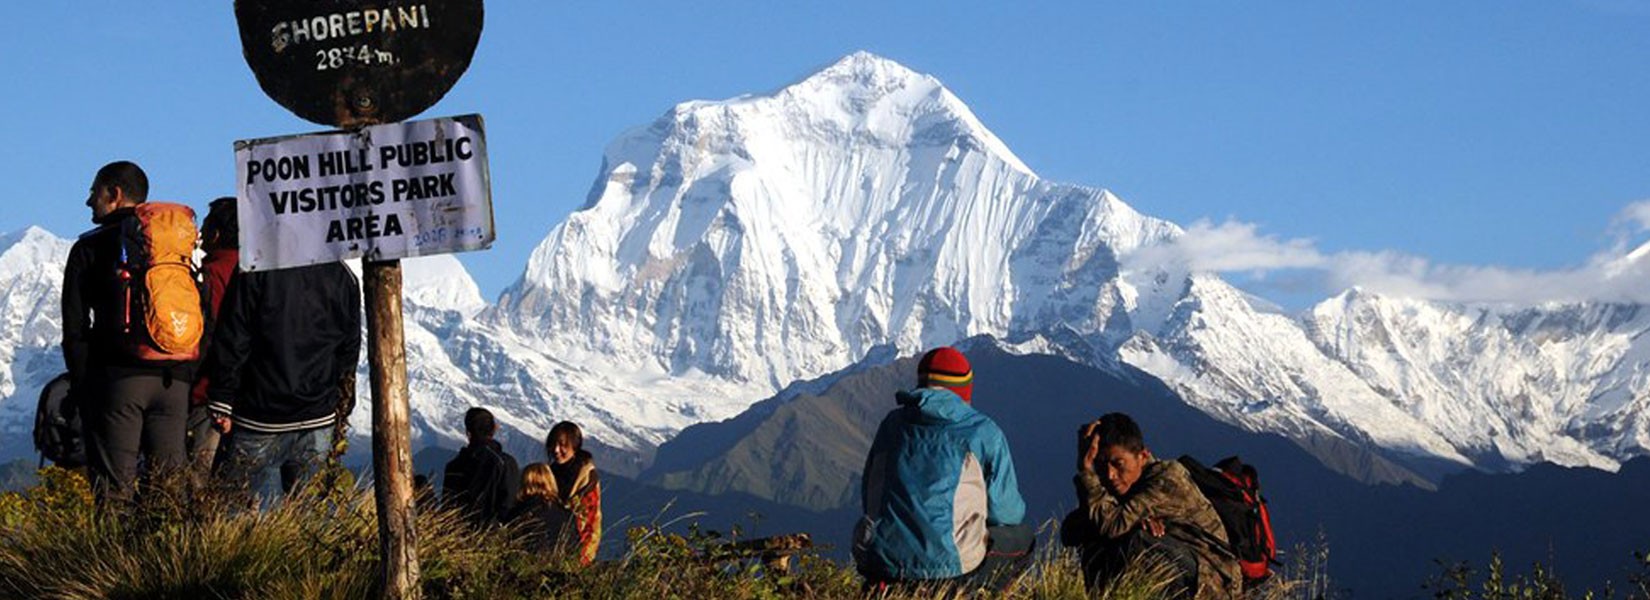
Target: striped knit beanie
[{"x": 948, "y": 368}]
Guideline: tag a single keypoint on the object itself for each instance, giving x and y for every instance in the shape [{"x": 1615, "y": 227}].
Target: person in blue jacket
[{"x": 940, "y": 498}]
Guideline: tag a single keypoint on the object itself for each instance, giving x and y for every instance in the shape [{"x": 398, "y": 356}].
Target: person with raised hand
[{"x": 1137, "y": 511}]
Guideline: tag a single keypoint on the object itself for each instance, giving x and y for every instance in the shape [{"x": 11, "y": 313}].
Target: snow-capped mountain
[
  {"x": 31, "y": 284},
  {"x": 1259, "y": 370},
  {"x": 1562, "y": 383},
  {"x": 731, "y": 248},
  {"x": 749, "y": 243}
]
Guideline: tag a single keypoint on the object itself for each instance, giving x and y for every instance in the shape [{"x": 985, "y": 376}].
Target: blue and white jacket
[{"x": 939, "y": 473}]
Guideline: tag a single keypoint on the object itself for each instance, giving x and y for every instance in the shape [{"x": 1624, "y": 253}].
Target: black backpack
[
  {"x": 1234, "y": 490},
  {"x": 57, "y": 425}
]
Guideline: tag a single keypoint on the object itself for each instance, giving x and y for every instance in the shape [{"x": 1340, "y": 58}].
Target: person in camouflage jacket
[{"x": 1134, "y": 509}]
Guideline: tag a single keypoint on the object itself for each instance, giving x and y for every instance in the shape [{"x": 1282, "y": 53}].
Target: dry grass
[{"x": 54, "y": 544}]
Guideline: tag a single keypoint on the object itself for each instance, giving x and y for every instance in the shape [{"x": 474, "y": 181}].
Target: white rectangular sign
[{"x": 380, "y": 193}]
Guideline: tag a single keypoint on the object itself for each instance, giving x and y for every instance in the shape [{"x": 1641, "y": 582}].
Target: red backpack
[{"x": 1234, "y": 490}]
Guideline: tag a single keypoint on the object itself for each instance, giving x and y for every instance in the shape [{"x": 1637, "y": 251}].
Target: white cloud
[
  {"x": 1615, "y": 275},
  {"x": 1633, "y": 219},
  {"x": 1229, "y": 247}
]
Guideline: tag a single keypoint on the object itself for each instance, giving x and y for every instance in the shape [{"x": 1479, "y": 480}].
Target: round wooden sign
[{"x": 348, "y": 63}]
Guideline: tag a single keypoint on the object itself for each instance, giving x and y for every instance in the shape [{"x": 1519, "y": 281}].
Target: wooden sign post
[
  {"x": 391, "y": 433},
  {"x": 353, "y": 64}
]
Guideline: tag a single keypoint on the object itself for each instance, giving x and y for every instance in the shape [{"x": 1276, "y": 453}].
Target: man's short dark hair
[
  {"x": 127, "y": 176},
  {"x": 479, "y": 423},
  {"x": 1118, "y": 429}
]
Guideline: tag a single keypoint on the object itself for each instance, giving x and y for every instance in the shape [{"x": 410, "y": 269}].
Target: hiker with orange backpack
[
  {"x": 131, "y": 329},
  {"x": 1135, "y": 511}
]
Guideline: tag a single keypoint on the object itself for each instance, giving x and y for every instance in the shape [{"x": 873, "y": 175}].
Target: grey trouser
[
  {"x": 134, "y": 415},
  {"x": 202, "y": 443}
]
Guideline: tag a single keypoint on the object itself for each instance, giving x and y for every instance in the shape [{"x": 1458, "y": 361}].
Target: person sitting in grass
[
  {"x": 546, "y": 525},
  {"x": 481, "y": 480},
  {"x": 563, "y": 500},
  {"x": 942, "y": 504},
  {"x": 1135, "y": 511}
]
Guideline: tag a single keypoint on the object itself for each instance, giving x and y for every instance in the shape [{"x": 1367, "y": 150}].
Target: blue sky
[{"x": 1511, "y": 136}]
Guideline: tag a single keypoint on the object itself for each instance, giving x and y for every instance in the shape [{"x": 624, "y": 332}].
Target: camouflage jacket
[{"x": 1165, "y": 492}]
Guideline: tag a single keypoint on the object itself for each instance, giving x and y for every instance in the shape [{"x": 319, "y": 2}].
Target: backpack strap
[{"x": 1242, "y": 474}]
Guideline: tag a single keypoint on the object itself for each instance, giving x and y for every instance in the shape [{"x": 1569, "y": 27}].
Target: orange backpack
[{"x": 162, "y": 320}]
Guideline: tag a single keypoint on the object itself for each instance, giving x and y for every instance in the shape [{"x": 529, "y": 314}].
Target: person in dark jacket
[
  {"x": 130, "y": 405},
  {"x": 545, "y": 523},
  {"x": 284, "y": 352},
  {"x": 941, "y": 500},
  {"x": 1133, "y": 509},
  {"x": 220, "y": 241},
  {"x": 481, "y": 481}
]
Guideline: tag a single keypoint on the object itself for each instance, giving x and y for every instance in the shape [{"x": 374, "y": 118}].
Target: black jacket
[
  {"x": 482, "y": 481},
  {"x": 92, "y": 308},
  {"x": 545, "y": 526},
  {"x": 283, "y": 343}
]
